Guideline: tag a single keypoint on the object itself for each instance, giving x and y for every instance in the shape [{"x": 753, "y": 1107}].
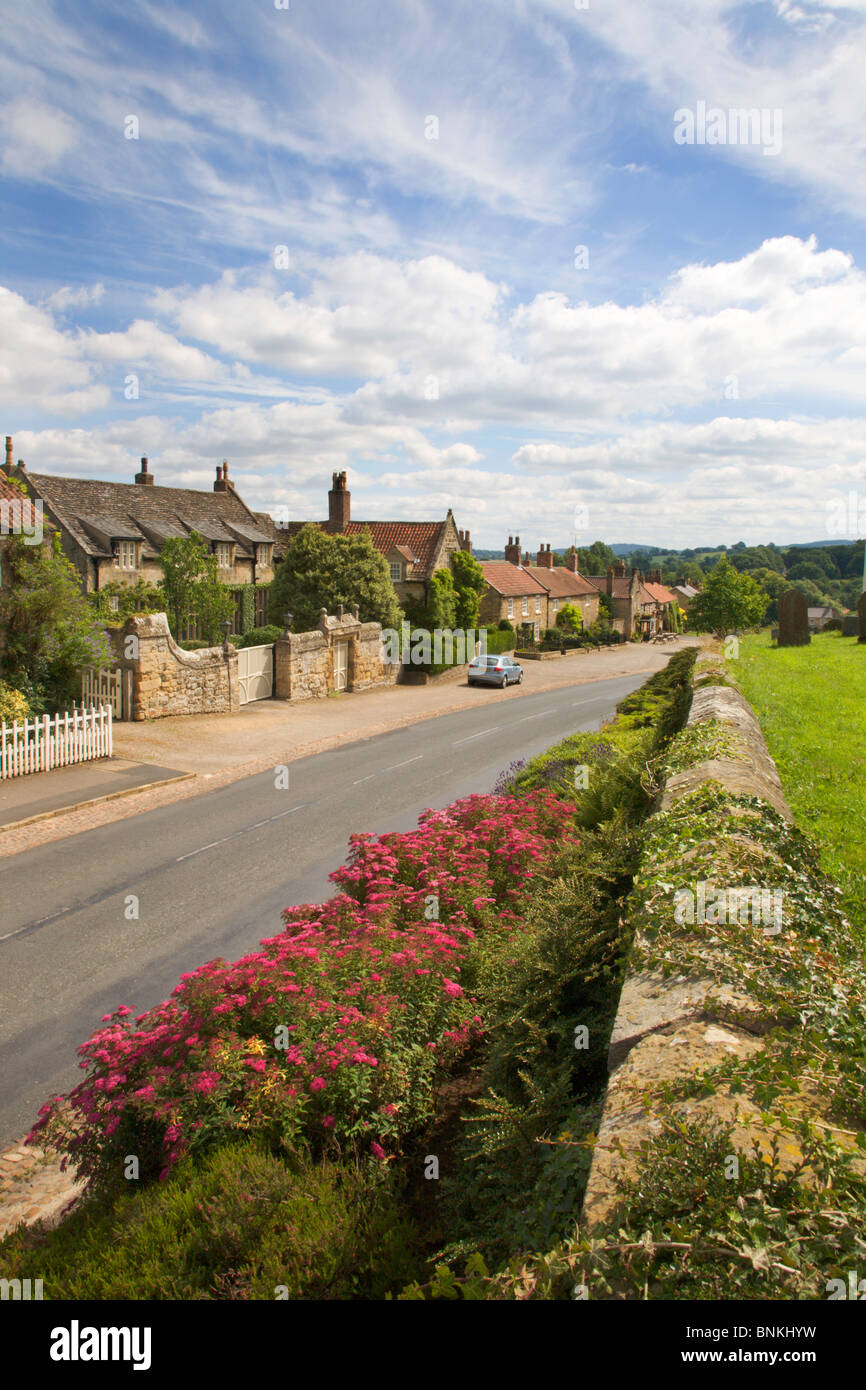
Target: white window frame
[
  {"x": 511, "y": 608},
  {"x": 538, "y": 603},
  {"x": 556, "y": 605},
  {"x": 263, "y": 555},
  {"x": 127, "y": 555},
  {"x": 396, "y": 570},
  {"x": 526, "y": 607},
  {"x": 224, "y": 555}
]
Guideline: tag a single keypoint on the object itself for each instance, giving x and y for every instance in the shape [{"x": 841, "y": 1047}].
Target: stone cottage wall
[{"x": 166, "y": 680}]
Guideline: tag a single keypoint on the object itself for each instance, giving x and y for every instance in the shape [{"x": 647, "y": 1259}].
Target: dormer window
[
  {"x": 127, "y": 555},
  {"x": 224, "y": 555},
  {"x": 263, "y": 555}
]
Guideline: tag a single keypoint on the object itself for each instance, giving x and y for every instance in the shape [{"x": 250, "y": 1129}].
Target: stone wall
[
  {"x": 305, "y": 665},
  {"x": 166, "y": 680},
  {"x": 685, "y": 1006}
]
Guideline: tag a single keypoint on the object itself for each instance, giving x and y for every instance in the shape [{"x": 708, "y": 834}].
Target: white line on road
[
  {"x": 213, "y": 844},
  {"x": 494, "y": 730},
  {"x": 536, "y": 716},
  {"x": 394, "y": 766},
  {"x": 364, "y": 779}
]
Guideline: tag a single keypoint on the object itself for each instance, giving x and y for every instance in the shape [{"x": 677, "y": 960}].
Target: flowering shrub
[{"x": 330, "y": 1035}]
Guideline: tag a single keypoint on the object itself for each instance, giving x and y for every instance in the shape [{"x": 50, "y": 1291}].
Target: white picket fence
[{"x": 36, "y": 745}]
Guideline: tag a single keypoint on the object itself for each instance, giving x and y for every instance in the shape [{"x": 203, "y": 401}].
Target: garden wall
[
  {"x": 704, "y": 993},
  {"x": 306, "y": 664},
  {"x": 167, "y": 680}
]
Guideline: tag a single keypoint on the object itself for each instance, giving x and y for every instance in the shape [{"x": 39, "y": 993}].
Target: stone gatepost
[{"x": 794, "y": 619}]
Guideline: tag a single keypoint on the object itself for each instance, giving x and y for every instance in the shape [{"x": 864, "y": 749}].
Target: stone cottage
[
  {"x": 114, "y": 532},
  {"x": 564, "y": 584},
  {"x": 513, "y": 592},
  {"x": 414, "y": 550}
]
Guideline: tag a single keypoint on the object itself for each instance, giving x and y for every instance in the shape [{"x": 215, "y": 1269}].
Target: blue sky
[{"x": 347, "y": 237}]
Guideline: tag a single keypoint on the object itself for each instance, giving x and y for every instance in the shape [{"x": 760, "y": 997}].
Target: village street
[{"x": 208, "y": 876}]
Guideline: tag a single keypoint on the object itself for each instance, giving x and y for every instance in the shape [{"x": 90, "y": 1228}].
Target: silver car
[{"x": 494, "y": 670}]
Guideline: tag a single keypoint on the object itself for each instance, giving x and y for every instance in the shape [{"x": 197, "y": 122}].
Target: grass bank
[{"x": 811, "y": 705}]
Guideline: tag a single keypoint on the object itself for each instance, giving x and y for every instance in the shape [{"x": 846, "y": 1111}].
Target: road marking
[
  {"x": 394, "y": 766},
  {"x": 364, "y": 779},
  {"x": 494, "y": 730},
  {"x": 224, "y": 841},
  {"x": 536, "y": 716}
]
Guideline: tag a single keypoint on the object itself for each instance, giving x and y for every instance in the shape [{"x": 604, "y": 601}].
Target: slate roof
[
  {"x": 510, "y": 580},
  {"x": 561, "y": 582},
  {"x": 95, "y": 512}
]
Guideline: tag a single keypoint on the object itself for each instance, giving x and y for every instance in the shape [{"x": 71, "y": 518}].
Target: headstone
[
  {"x": 861, "y": 613},
  {"x": 794, "y": 619},
  {"x": 850, "y": 625}
]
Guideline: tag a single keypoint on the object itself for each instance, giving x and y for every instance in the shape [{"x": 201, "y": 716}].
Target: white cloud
[
  {"x": 34, "y": 137},
  {"x": 40, "y": 367}
]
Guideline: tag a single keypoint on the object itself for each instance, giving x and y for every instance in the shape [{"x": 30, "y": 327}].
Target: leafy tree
[
  {"x": 441, "y": 601},
  {"x": 49, "y": 631},
  {"x": 470, "y": 584},
  {"x": 324, "y": 571},
  {"x": 193, "y": 588},
  {"x": 807, "y": 570},
  {"x": 569, "y": 618},
  {"x": 729, "y": 601}
]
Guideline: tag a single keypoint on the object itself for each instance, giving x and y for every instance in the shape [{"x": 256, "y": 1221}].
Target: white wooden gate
[
  {"x": 341, "y": 665},
  {"x": 106, "y": 687},
  {"x": 256, "y": 673}
]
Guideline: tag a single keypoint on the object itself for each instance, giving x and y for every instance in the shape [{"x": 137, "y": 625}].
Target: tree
[
  {"x": 470, "y": 584},
  {"x": 193, "y": 588},
  {"x": 49, "y": 630},
  {"x": 324, "y": 571},
  {"x": 729, "y": 601},
  {"x": 441, "y": 602},
  {"x": 569, "y": 618}
]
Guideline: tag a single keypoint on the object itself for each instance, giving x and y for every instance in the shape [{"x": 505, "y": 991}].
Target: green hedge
[{"x": 260, "y": 636}]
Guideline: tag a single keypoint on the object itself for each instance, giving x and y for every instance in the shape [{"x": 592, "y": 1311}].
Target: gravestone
[
  {"x": 850, "y": 625},
  {"x": 861, "y": 613},
  {"x": 794, "y": 619}
]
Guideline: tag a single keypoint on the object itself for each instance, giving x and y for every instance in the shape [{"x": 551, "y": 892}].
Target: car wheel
[
  {"x": 520, "y": 678},
  {"x": 504, "y": 682}
]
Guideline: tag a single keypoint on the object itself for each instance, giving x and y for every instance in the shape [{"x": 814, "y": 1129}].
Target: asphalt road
[{"x": 212, "y": 874}]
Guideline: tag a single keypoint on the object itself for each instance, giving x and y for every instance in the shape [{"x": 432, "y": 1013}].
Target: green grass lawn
[{"x": 811, "y": 702}]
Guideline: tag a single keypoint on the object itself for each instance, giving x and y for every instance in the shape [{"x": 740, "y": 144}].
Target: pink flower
[
  {"x": 318, "y": 1083},
  {"x": 451, "y": 989},
  {"x": 377, "y": 1151},
  {"x": 328, "y": 1122}
]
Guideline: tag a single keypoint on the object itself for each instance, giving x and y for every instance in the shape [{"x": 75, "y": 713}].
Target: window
[
  {"x": 525, "y": 607},
  {"x": 263, "y": 554},
  {"x": 538, "y": 605},
  {"x": 511, "y": 608},
  {"x": 556, "y": 605},
  {"x": 126, "y": 557},
  {"x": 224, "y": 556},
  {"x": 396, "y": 571}
]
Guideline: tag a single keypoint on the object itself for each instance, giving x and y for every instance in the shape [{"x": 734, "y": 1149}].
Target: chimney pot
[
  {"x": 143, "y": 477},
  {"x": 9, "y": 452}
]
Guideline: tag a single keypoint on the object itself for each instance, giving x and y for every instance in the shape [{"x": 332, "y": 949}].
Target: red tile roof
[
  {"x": 560, "y": 581},
  {"x": 659, "y": 592},
  {"x": 10, "y": 493},
  {"x": 421, "y": 538},
  {"x": 509, "y": 579}
]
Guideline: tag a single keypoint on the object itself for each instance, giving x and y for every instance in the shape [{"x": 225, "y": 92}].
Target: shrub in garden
[
  {"x": 329, "y": 1037},
  {"x": 13, "y": 704},
  {"x": 238, "y": 1225},
  {"x": 260, "y": 636}
]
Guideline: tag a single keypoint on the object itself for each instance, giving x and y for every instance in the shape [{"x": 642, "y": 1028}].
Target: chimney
[
  {"x": 512, "y": 550},
  {"x": 527, "y": 560},
  {"x": 145, "y": 478},
  {"x": 339, "y": 504},
  {"x": 9, "y": 463},
  {"x": 221, "y": 483},
  {"x": 619, "y": 570},
  {"x": 465, "y": 542},
  {"x": 544, "y": 558},
  {"x": 571, "y": 560}
]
